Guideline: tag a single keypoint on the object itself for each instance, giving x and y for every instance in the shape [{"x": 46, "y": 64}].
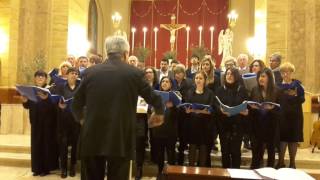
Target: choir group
[{"x": 185, "y": 130}]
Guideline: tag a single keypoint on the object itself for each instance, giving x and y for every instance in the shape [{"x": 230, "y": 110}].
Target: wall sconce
[
  {"x": 116, "y": 19},
  {"x": 232, "y": 17}
]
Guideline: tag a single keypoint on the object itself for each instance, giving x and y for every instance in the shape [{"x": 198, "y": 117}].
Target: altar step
[
  {"x": 15, "y": 159},
  {"x": 15, "y": 148},
  {"x": 15, "y": 151}
]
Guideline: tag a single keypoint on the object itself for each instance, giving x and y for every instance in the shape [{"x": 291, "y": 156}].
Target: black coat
[
  {"x": 200, "y": 127},
  {"x": 67, "y": 127},
  {"x": 215, "y": 84},
  {"x": 237, "y": 124},
  {"x": 291, "y": 125},
  {"x": 109, "y": 91},
  {"x": 183, "y": 88},
  {"x": 264, "y": 125},
  {"x": 277, "y": 77},
  {"x": 44, "y": 148},
  {"x": 169, "y": 128},
  {"x": 189, "y": 74}
]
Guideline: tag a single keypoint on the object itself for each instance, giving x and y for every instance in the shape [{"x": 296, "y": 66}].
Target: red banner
[{"x": 193, "y": 13}]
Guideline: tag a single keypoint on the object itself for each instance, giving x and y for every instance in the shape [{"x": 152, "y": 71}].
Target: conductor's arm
[{"x": 153, "y": 99}]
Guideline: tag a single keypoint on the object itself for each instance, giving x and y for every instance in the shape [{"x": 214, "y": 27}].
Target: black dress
[
  {"x": 215, "y": 84},
  {"x": 67, "y": 129},
  {"x": 44, "y": 148},
  {"x": 264, "y": 129},
  {"x": 291, "y": 124},
  {"x": 165, "y": 138},
  {"x": 231, "y": 129},
  {"x": 183, "y": 88},
  {"x": 200, "y": 127}
]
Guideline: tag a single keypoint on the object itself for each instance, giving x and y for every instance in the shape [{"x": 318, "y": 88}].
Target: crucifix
[{"x": 173, "y": 27}]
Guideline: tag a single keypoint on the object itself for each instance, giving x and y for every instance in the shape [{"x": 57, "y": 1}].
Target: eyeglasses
[
  {"x": 40, "y": 76},
  {"x": 256, "y": 65},
  {"x": 149, "y": 72}
]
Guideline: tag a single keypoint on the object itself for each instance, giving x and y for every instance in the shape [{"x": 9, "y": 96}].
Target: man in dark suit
[
  {"x": 243, "y": 63},
  {"x": 164, "y": 70},
  {"x": 275, "y": 62},
  {"x": 109, "y": 94},
  {"x": 191, "y": 71}
]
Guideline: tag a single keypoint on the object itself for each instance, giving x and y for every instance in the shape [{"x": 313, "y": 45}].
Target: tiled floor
[{"x": 19, "y": 173}]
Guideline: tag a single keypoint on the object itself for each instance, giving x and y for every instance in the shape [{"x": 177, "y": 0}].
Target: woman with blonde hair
[
  {"x": 213, "y": 82},
  {"x": 291, "y": 124},
  {"x": 207, "y": 65},
  {"x": 63, "y": 68},
  {"x": 59, "y": 76}
]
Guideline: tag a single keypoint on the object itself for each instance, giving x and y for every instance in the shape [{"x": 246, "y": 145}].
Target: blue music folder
[
  {"x": 175, "y": 97},
  {"x": 31, "y": 92},
  {"x": 262, "y": 104},
  {"x": 170, "y": 96},
  {"x": 56, "y": 99},
  {"x": 234, "y": 110},
  {"x": 53, "y": 72},
  {"x": 196, "y": 106},
  {"x": 58, "y": 80},
  {"x": 249, "y": 80}
]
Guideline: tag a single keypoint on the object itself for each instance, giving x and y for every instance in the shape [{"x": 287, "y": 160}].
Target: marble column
[{"x": 293, "y": 29}]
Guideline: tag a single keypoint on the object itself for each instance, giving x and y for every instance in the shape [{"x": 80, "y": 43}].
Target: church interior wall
[
  {"x": 5, "y": 14},
  {"x": 78, "y": 27},
  {"x": 244, "y": 28},
  {"x": 106, "y": 9}
]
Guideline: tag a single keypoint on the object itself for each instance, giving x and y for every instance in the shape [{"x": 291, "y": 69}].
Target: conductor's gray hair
[{"x": 116, "y": 44}]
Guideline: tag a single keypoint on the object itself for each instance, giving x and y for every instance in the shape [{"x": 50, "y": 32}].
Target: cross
[{"x": 173, "y": 27}]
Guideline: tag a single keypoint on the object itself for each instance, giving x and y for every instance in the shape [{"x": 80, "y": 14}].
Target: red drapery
[{"x": 194, "y": 13}]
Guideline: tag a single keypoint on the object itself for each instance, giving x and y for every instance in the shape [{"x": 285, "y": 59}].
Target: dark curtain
[{"x": 193, "y": 13}]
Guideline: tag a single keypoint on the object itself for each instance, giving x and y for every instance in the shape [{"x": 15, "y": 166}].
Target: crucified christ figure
[{"x": 173, "y": 27}]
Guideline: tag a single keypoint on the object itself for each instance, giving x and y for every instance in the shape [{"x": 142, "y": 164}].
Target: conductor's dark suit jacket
[{"x": 109, "y": 91}]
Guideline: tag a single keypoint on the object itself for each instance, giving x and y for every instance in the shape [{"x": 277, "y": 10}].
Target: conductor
[{"x": 105, "y": 104}]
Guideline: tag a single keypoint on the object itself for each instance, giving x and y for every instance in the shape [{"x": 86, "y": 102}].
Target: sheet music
[
  {"x": 283, "y": 174},
  {"x": 142, "y": 106},
  {"x": 243, "y": 174}
]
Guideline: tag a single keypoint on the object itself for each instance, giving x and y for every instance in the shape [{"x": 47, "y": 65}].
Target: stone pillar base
[{"x": 14, "y": 119}]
